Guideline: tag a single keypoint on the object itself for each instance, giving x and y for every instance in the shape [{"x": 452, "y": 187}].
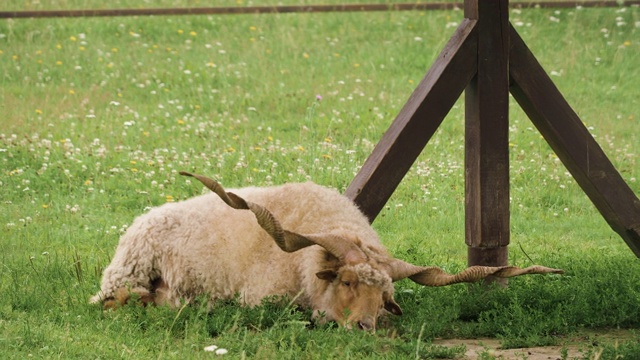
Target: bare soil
[{"x": 576, "y": 347}]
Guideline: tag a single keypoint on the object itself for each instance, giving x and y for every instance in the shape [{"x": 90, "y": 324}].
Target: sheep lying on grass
[{"x": 303, "y": 241}]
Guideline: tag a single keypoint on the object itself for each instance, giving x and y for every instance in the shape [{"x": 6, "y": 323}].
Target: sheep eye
[{"x": 346, "y": 283}]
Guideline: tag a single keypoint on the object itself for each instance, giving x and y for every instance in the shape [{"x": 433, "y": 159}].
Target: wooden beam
[
  {"x": 487, "y": 138},
  {"x": 283, "y": 9},
  {"x": 569, "y": 138},
  {"x": 417, "y": 122}
]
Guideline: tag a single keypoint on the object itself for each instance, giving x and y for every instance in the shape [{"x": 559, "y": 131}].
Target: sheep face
[{"x": 356, "y": 295}]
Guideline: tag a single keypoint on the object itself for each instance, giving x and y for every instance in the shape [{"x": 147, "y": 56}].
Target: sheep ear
[
  {"x": 392, "y": 306},
  {"x": 328, "y": 275}
]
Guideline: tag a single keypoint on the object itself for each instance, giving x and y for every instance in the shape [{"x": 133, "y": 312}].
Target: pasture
[{"x": 99, "y": 115}]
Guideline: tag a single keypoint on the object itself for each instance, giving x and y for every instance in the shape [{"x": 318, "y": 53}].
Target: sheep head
[
  {"x": 356, "y": 295},
  {"x": 359, "y": 282}
]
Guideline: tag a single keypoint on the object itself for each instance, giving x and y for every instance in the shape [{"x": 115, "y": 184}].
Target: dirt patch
[
  {"x": 490, "y": 348},
  {"x": 575, "y": 347}
]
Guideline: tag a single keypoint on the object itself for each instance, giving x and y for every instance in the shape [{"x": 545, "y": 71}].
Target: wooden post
[{"x": 487, "y": 138}]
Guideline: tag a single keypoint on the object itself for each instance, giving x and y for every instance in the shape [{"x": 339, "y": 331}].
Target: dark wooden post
[{"x": 487, "y": 137}]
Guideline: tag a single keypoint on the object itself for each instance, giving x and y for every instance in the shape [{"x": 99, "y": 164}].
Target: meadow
[{"x": 99, "y": 115}]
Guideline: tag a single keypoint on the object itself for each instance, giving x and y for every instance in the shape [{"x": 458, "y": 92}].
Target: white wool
[{"x": 203, "y": 246}]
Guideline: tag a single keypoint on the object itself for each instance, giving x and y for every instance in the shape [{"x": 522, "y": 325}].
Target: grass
[{"x": 99, "y": 115}]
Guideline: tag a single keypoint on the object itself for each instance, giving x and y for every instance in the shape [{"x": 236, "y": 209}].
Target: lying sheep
[{"x": 302, "y": 240}]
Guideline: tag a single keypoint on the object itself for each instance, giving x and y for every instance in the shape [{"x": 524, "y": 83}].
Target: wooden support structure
[{"x": 486, "y": 58}]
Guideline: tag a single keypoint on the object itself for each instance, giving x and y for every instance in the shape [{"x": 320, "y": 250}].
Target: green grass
[{"x": 99, "y": 115}]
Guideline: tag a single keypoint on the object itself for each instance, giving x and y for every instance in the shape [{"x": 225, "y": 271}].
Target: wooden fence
[{"x": 296, "y": 9}]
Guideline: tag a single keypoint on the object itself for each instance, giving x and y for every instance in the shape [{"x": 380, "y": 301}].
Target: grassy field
[{"x": 99, "y": 115}]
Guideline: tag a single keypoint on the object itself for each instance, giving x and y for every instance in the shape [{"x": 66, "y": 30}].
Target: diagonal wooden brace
[
  {"x": 417, "y": 122},
  {"x": 569, "y": 138}
]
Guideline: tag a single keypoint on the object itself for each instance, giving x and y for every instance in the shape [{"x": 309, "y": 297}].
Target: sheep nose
[{"x": 365, "y": 325}]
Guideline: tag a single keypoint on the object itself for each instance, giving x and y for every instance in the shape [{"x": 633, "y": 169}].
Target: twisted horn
[
  {"x": 434, "y": 276},
  {"x": 229, "y": 198},
  {"x": 288, "y": 241}
]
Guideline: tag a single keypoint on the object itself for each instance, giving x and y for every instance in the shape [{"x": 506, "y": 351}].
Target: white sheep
[{"x": 328, "y": 259}]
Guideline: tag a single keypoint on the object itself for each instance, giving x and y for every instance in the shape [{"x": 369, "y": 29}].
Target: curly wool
[{"x": 371, "y": 276}]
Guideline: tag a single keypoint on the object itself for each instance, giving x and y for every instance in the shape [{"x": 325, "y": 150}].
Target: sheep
[{"x": 299, "y": 240}]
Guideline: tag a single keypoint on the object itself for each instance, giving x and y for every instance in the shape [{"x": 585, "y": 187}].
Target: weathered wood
[
  {"x": 224, "y": 10},
  {"x": 487, "y": 138},
  {"x": 569, "y": 138},
  {"x": 417, "y": 122}
]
